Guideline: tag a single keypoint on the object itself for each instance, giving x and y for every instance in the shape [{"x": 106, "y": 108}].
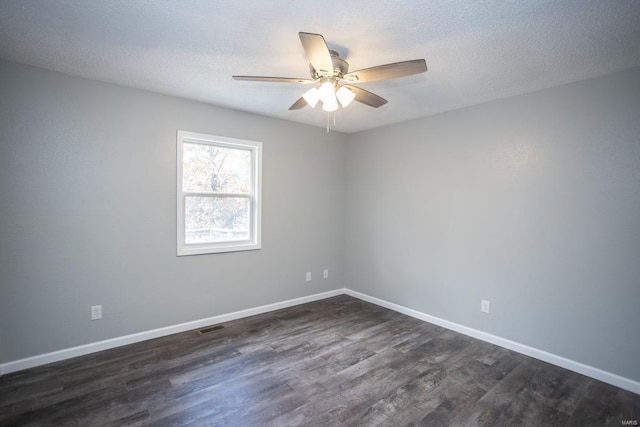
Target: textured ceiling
[{"x": 476, "y": 51}]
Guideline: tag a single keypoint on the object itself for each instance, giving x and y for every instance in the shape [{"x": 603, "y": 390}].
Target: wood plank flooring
[{"x": 339, "y": 361}]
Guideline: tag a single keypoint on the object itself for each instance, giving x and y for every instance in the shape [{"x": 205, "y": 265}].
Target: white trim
[
  {"x": 581, "y": 368},
  {"x": 68, "y": 353}
]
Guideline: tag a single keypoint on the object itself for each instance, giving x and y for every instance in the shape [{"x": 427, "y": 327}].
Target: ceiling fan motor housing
[{"x": 340, "y": 68}]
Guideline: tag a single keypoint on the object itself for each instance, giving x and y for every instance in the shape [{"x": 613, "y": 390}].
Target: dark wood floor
[{"x": 339, "y": 361}]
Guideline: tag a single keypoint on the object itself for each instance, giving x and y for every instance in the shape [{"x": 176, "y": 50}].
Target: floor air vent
[{"x": 211, "y": 329}]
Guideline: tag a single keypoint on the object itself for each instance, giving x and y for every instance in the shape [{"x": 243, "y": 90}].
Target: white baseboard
[
  {"x": 581, "y": 368},
  {"x": 43, "y": 359},
  {"x": 560, "y": 361}
]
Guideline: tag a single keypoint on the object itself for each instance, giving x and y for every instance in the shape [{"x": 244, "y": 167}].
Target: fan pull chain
[{"x": 329, "y": 118}]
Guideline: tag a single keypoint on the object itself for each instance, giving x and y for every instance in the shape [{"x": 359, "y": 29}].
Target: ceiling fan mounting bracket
[{"x": 340, "y": 66}]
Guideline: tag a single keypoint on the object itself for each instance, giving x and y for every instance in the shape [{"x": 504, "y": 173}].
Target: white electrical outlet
[
  {"x": 308, "y": 276},
  {"x": 325, "y": 273},
  {"x": 485, "y": 306},
  {"x": 96, "y": 312}
]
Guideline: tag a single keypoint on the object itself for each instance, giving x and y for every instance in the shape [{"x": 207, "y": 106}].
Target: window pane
[
  {"x": 213, "y": 168},
  {"x": 216, "y": 219}
]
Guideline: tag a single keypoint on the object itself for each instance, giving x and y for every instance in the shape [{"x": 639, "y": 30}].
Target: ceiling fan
[{"x": 332, "y": 80}]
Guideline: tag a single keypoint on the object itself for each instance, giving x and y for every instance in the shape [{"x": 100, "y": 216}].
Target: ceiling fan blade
[
  {"x": 317, "y": 52},
  {"x": 366, "y": 97},
  {"x": 274, "y": 79},
  {"x": 299, "y": 104},
  {"x": 387, "y": 71}
]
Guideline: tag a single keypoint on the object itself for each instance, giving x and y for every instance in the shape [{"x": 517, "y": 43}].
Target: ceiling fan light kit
[
  {"x": 328, "y": 96},
  {"x": 332, "y": 80},
  {"x": 345, "y": 96},
  {"x": 312, "y": 96}
]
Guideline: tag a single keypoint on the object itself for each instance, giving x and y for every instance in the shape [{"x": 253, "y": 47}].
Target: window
[{"x": 219, "y": 186}]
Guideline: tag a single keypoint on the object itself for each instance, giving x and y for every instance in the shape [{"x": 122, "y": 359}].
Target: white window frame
[{"x": 255, "y": 195}]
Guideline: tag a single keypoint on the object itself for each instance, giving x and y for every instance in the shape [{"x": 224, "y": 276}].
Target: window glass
[{"x": 219, "y": 194}]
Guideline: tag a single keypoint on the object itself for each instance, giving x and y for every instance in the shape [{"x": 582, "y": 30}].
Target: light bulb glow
[
  {"x": 330, "y": 104},
  {"x": 312, "y": 96},
  {"x": 328, "y": 96},
  {"x": 345, "y": 96},
  {"x": 326, "y": 92}
]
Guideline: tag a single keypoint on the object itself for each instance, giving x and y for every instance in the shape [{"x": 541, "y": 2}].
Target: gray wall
[
  {"x": 87, "y": 213},
  {"x": 532, "y": 202}
]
